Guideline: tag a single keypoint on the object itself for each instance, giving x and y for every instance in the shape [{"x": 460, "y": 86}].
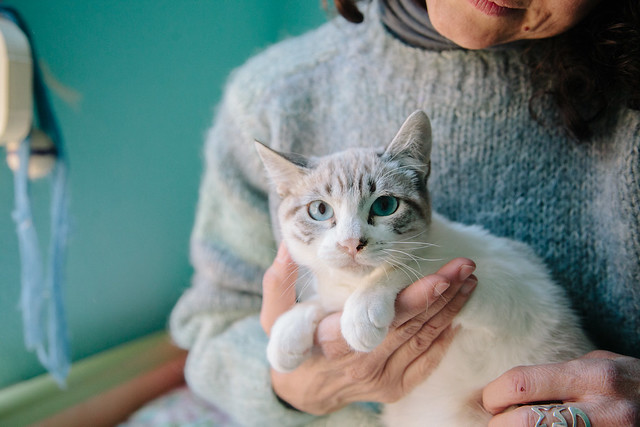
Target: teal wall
[{"x": 134, "y": 85}]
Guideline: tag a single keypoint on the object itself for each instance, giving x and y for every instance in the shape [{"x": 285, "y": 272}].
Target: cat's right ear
[
  {"x": 413, "y": 140},
  {"x": 284, "y": 169}
]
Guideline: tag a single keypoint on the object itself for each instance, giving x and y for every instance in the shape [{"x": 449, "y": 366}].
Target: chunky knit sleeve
[
  {"x": 231, "y": 242},
  {"x": 231, "y": 245}
]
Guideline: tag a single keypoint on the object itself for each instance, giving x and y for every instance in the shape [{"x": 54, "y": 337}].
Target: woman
[{"x": 549, "y": 157}]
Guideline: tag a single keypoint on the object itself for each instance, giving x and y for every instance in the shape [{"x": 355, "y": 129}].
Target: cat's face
[{"x": 357, "y": 209}]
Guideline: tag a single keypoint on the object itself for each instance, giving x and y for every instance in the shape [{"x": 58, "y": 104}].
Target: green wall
[{"x": 134, "y": 85}]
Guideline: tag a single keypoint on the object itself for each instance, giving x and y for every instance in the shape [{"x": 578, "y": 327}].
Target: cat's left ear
[
  {"x": 283, "y": 169},
  {"x": 413, "y": 140}
]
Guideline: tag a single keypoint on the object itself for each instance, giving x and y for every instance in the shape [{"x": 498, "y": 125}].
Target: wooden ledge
[{"x": 102, "y": 390}]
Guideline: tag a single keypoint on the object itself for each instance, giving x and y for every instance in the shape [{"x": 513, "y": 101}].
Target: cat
[{"x": 360, "y": 221}]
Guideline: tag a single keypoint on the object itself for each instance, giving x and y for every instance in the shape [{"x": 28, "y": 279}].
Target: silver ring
[{"x": 555, "y": 411}]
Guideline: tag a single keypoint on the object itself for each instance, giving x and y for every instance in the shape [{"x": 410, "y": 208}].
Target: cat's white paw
[
  {"x": 291, "y": 338},
  {"x": 365, "y": 321},
  {"x": 284, "y": 357}
]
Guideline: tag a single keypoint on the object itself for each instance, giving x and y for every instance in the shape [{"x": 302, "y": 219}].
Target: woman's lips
[{"x": 490, "y": 8}]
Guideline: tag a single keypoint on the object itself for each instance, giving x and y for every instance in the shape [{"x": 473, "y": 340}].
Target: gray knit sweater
[{"x": 343, "y": 85}]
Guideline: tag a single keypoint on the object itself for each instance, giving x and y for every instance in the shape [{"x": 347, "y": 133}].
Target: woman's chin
[{"x": 471, "y": 29}]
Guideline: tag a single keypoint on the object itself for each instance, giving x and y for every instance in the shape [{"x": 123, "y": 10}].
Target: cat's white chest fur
[{"x": 334, "y": 288}]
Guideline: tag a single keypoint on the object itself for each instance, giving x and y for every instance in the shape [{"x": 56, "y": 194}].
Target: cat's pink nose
[{"x": 352, "y": 246}]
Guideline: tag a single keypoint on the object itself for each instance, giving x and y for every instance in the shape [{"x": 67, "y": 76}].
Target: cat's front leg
[
  {"x": 292, "y": 335},
  {"x": 367, "y": 315}
]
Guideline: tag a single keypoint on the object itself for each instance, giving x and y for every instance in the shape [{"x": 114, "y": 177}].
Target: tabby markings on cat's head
[{"x": 354, "y": 209}]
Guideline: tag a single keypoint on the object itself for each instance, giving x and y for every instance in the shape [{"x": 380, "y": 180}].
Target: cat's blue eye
[
  {"x": 320, "y": 211},
  {"x": 384, "y": 206}
]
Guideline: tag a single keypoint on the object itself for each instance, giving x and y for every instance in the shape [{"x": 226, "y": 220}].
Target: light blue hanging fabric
[{"x": 41, "y": 301}]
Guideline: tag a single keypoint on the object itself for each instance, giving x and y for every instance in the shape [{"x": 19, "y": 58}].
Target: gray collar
[{"x": 410, "y": 22}]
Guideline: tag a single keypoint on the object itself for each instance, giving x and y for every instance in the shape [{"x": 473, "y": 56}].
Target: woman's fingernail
[
  {"x": 465, "y": 271},
  {"x": 469, "y": 285},
  {"x": 440, "y": 288}
]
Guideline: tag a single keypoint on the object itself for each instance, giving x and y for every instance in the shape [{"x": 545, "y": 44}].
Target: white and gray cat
[{"x": 360, "y": 221}]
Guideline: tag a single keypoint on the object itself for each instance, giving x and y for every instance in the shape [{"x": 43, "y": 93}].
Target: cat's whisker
[
  {"x": 411, "y": 274},
  {"x": 405, "y": 242},
  {"x": 304, "y": 287},
  {"x": 416, "y": 275},
  {"x": 407, "y": 256},
  {"x": 416, "y": 246},
  {"x": 440, "y": 296},
  {"x": 417, "y": 234},
  {"x": 409, "y": 239},
  {"x": 416, "y": 242},
  {"x": 304, "y": 281},
  {"x": 386, "y": 273},
  {"x": 413, "y": 257},
  {"x": 293, "y": 284},
  {"x": 415, "y": 272},
  {"x": 398, "y": 266}
]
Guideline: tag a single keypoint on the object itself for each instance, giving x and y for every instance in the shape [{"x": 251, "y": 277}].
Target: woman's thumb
[{"x": 278, "y": 288}]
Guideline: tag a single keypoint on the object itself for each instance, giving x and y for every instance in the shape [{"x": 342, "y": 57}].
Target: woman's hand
[
  {"x": 603, "y": 385},
  {"x": 335, "y": 375}
]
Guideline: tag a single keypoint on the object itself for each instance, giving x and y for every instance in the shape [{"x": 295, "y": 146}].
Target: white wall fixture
[{"x": 16, "y": 88}]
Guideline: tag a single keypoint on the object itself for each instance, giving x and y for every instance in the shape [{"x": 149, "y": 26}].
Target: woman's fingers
[
  {"x": 415, "y": 347},
  {"x": 423, "y": 294},
  {"x": 329, "y": 337},
  {"x": 537, "y": 383},
  {"x": 554, "y": 382},
  {"x": 415, "y": 305},
  {"x": 421, "y": 353},
  {"x": 603, "y": 385},
  {"x": 278, "y": 288}
]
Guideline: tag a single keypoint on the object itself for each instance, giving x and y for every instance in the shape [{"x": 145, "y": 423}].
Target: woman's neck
[{"x": 408, "y": 21}]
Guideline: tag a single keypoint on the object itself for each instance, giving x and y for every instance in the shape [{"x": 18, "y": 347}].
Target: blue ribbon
[{"x": 41, "y": 300}]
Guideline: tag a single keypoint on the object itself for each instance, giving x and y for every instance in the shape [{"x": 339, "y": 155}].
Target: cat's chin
[{"x": 354, "y": 267}]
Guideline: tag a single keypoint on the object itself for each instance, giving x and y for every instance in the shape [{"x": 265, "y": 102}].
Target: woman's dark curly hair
[{"x": 587, "y": 70}]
